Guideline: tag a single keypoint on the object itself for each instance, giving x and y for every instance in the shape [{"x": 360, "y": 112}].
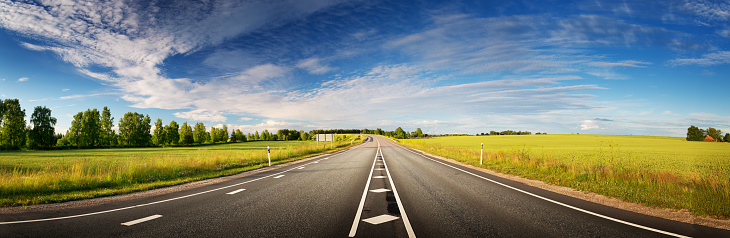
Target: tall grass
[
  {"x": 95, "y": 173},
  {"x": 603, "y": 165}
]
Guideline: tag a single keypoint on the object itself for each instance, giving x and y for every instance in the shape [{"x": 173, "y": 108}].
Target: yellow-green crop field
[
  {"x": 663, "y": 172},
  {"x": 37, "y": 177}
]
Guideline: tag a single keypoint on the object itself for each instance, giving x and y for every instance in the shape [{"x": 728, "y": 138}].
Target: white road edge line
[
  {"x": 356, "y": 222},
  {"x": 555, "y": 202},
  {"x": 279, "y": 176},
  {"x": 166, "y": 200},
  {"x": 129, "y": 223},
  {"x": 236, "y": 191},
  {"x": 407, "y": 223}
]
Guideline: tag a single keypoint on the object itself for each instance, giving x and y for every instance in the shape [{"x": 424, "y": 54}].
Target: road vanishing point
[{"x": 376, "y": 189}]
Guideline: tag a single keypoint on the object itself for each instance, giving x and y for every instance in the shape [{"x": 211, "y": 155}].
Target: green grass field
[
  {"x": 37, "y": 177},
  {"x": 663, "y": 172}
]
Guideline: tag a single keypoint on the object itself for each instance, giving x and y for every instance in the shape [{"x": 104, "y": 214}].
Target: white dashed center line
[
  {"x": 380, "y": 190},
  {"x": 129, "y": 223},
  {"x": 380, "y": 176},
  {"x": 279, "y": 176},
  {"x": 236, "y": 191},
  {"x": 300, "y": 168}
]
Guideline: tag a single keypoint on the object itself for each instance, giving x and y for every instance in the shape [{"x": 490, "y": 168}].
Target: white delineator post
[
  {"x": 268, "y": 151},
  {"x": 481, "y": 154}
]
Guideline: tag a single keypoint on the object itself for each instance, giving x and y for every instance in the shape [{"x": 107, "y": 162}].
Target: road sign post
[
  {"x": 268, "y": 151},
  {"x": 481, "y": 154}
]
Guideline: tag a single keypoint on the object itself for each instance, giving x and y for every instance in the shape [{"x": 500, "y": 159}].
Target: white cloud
[
  {"x": 721, "y": 57},
  {"x": 2, "y": 79},
  {"x": 670, "y": 113},
  {"x": 23, "y": 79},
  {"x": 65, "y": 90},
  {"x": 588, "y": 125},
  {"x": 314, "y": 66},
  {"x": 245, "y": 119},
  {"x": 202, "y": 115}
]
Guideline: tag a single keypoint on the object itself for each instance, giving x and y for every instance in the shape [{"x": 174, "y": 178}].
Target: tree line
[
  {"x": 15, "y": 134},
  {"x": 696, "y": 134},
  {"x": 509, "y": 132}
]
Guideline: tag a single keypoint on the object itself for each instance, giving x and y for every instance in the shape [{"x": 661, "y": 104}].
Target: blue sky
[{"x": 601, "y": 67}]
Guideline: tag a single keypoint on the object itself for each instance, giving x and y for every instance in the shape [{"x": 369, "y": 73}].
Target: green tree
[
  {"x": 134, "y": 129},
  {"x": 418, "y": 133},
  {"x": 714, "y": 133},
  {"x": 12, "y": 135},
  {"x": 90, "y": 128},
  {"x": 233, "y": 138},
  {"x": 73, "y": 134},
  {"x": 214, "y": 134},
  {"x": 186, "y": 134},
  {"x": 303, "y": 136},
  {"x": 199, "y": 133},
  {"x": 158, "y": 136},
  {"x": 43, "y": 133},
  {"x": 727, "y": 137},
  {"x": 172, "y": 133},
  {"x": 265, "y": 135},
  {"x": 107, "y": 123},
  {"x": 223, "y": 134},
  {"x": 694, "y": 134},
  {"x": 400, "y": 133},
  {"x": 240, "y": 136}
]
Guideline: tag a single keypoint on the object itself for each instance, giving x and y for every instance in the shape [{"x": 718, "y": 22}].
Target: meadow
[
  {"x": 38, "y": 177},
  {"x": 661, "y": 172}
]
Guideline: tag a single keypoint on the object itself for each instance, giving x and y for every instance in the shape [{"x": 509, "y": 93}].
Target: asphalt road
[{"x": 377, "y": 189}]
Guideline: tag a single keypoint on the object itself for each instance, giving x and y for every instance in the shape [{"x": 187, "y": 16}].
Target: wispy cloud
[
  {"x": 23, "y": 79},
  {"x": 314, "y": 66},
  {"x": 704, "y": 115},
  {"x": 721, "y": 57},
  {"x": 82, "y": 96}
]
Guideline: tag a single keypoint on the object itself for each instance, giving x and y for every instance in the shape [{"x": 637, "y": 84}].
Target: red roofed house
[{"x": 709, "y": 139}]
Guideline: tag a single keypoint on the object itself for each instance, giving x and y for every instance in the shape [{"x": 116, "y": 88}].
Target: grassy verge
[
  {"x": 38, "y": 177},
  {"x": 662, "y": 172}
]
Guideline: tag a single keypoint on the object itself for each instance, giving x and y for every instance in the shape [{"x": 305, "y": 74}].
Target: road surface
[{"x": 377, "y": 189}]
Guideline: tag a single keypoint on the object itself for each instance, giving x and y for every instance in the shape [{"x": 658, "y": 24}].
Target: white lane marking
[
  {"x": 403, "y": 215},
  {"x": 380, "y": 219},
  {"x": 129, "y": 223},
  {"x": 279, "y": 176},
  {"x": 315, "y": 162},
  {"x": 236, "y": 191},
  {"x": 153, "y": 203},
  {"x": 327, "y": 158},
  {"x": 558, "y": 203},
  {"x": 356, "y": 222},
  {"x": 300, "y": 168},
  {"x": 380, "y": 176},
  {"x": 380, "y": 169},
  {"x": 380, "y": 190}
]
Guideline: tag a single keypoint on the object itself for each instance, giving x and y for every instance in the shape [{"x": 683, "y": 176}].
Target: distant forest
[{"x": 94, "y": 129}]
